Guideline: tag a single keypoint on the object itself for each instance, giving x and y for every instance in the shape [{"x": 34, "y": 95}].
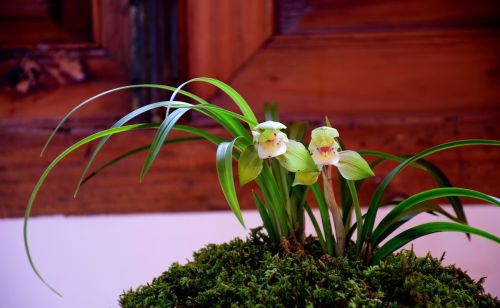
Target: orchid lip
[{"x": 324, "y": 150}]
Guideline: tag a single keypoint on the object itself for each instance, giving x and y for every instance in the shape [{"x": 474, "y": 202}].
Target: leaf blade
[
  {"x": 47, "y": 171},
  {"x": 407, "y": 205},
  {"x": 249, "y": 165},
  {"x": 352, "y": 166},
  {"x": 224, "y": 168},
  {"x": 433, "y": 227},
  {"x": 297, "y": 158},
  {"x": 377, "y": 196}
]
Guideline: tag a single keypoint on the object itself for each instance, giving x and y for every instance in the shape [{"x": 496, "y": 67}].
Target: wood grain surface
[
  {"x": 221, "y": 35},
  {"x": 183, "y": 177},
  {"x": 395, "y": 76},
  {"x": 435, "y": 71}
]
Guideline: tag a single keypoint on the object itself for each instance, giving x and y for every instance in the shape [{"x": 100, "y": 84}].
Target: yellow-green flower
[
  {"x": 323, "y": 147},
  {"x": 269, "y": 140},
  {"x": 325, "y": 151}
]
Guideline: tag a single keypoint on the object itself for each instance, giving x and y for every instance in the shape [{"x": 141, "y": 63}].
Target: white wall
[{"x": 92, "y": 259}]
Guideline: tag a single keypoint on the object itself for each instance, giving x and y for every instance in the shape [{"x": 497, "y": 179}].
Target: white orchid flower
[
  {"x": 324, "y": 150},
  {"x": 323, "y": 147},
  {"x": 269, "y": 140}
]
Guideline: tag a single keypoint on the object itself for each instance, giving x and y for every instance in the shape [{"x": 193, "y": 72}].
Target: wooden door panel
[
  {"x": 445, "y": 71},
  {"x": 221, "y": 35},
  {"x": 397, "y": 76},
  {"x": 316, "y": 16},
  {"x": 191, "y": 166},
  {"x": 27, "y": 23}
]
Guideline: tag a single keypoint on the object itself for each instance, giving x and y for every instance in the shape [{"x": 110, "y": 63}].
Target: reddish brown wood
[
  {"x": 221, "y": 35},
  {"x": 433, "y": 72},
  {"x": 183, "y": 177},
  {"x": 116, "y": 32},
  {"x": 392, "y": 76},
  {"x": 30, "y": 23},
  {"x": 46, "y": 105},
  {"x": 320, "y": 16}
]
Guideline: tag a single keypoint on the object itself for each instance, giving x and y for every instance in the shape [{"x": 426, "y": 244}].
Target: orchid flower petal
[
  {"x": 324, "y": 147},
  {"x": 269, "y": 125},
  {"x": 269, "y": 140}
]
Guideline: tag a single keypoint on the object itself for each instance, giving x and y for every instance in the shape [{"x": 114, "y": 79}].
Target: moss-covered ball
[{"x": 256, "y": 273}]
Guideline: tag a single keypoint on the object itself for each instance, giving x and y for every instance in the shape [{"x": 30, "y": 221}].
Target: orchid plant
[{"x": 285, "y": 171}]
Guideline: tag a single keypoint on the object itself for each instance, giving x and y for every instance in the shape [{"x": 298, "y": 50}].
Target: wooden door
[{"x": 396, "y": 76}]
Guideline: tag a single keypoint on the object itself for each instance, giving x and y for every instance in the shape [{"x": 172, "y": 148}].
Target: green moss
[{"x": 256, "y": 273}]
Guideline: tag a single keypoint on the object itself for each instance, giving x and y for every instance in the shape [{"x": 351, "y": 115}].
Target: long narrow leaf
[
  {"x": 271, "y": 112},
  {"x": 422, "y": 208},
  {"x": 266, "y": 179},
  {"x": 121, "y": 157},
  {"x": 201, "y": 108},
  {"x": 51, "y": 166},
  {"x": 201, "y": 134},
  {"x": 224, "y": 165},
  {"x": 377, "y": 196},
  {"x": 325, "y": 218},
  {"x": 161, "y": 134},
  {"x": 403, "y": 208},
  {"x": 235, "y": 96},
  {"x": 425, "y": 229},
  {"x": 436, "y": 173},
  {"x": 357, "y": 210},
  {"x": 266, "y": 219},
  {"x": 93, "y": 98},
  {"x": 119, "y": 123},
  {"x": 316, "y": 226},
  {"x": 443, "y": 181}
]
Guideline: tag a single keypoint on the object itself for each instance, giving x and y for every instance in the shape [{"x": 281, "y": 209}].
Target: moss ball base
[{"x": 257, "y": 273}]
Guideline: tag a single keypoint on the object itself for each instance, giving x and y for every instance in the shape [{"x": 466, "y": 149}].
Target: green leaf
[
  {"x": 407, "y": 206},
  {"x": 162, "y": 133},
  {"x": 225, "y": 174},
  {"x": 118, "y": 123},
  {"x": 357, "y": 209},
  {"x": 297, "y": 131},
  {"x": 297, "y": 158},
  {"x": 270, "y": 188},
  {"x": 442, "y": 180},
  {"x": 249, "y": 165},
  {"x": 271, "y": 112},
  {"x": 436, "y": 173},
  {"x": 266, "y": 219},
  {"x": 352, "y": 166},
  {"x": 316, "y": 226},
  {"x": 325, "y": 218},
  {"x": 93, "y": 98},
  {"x": 425, "y": 207},
  {"x": 119, "y": 158},
  {"x": 51, "y": 166},
  {"x": 195, "y": 131},
  {"x": 377, "y": 196},
  {"x": 222, "y": 115},
  {"x": 235, "y": 96},
  {"x": 281, "y": 176},
  {"x": 305, "y": 178},
  {"x": 413, "y": 233}
]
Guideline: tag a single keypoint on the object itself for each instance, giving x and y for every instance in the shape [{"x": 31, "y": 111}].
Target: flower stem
[{"x": 334, "y": 209}]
